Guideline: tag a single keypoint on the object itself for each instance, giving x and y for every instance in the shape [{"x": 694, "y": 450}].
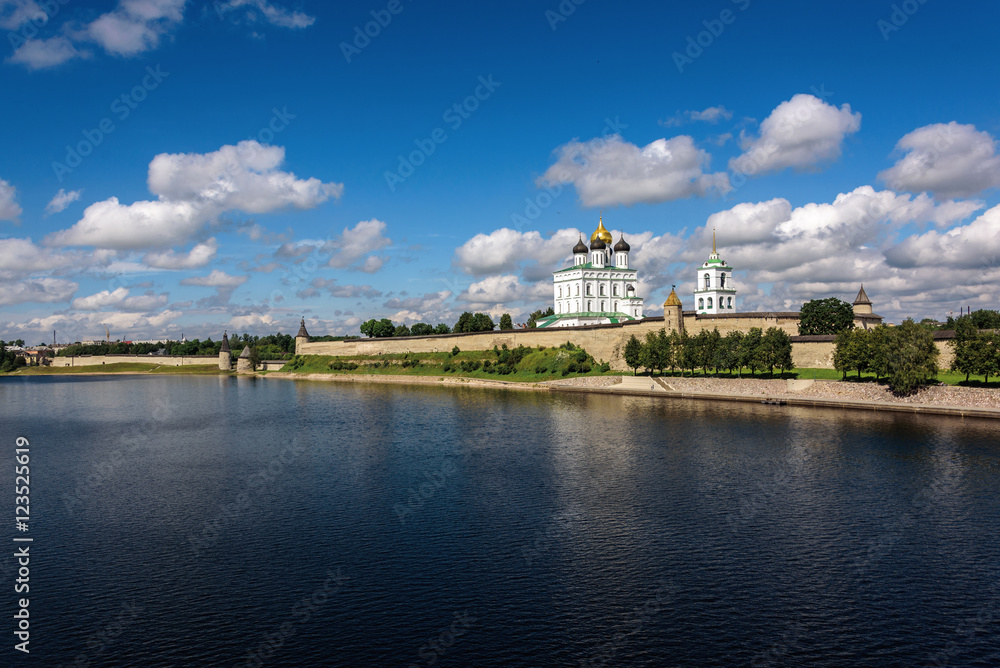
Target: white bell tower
[{"x": 714, "y": 290}]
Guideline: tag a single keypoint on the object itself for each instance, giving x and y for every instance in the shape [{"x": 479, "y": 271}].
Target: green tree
[
  {"x": 633, "y": 353},
  {"x": 843, "y": 360},
  {"x": 482, "y": 323},
  {"x": 825, "y": 316},
  {"x": 421, "y": 329},
  {"x": 879, "y": 347},
  {"x": 750, "y": 349},
  {"x": 986, "y": 355},
  {"x": 729, "y": 352},
  {"x": 776, "y": 350},
  {"x": 676, "y": 349},
  {"x": 464, "y": 323},
  {"x": 690, "y": 352},
  {"x": 985, "y": 319},
  {"x": 442, "y": 328},
  {"x": 964, "y": 345},
  {"x": 664, "y": 351},
  {"x": 505, "y": 322},
  {"x": 536, "y": 315},
  {"x": 377, "y": 329},
  {"x": 913, "y": 361},
  {"x": 401, "y": 330},
  {"x": 706, "y": 343},
  {"x": 254, "y": 358}
]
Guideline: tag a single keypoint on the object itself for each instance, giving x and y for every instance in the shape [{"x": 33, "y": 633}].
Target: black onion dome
[
  {"x": 597, "y": 244},
  {"x": 622, "y": 245},
  {"x": 580, "y": 247}
]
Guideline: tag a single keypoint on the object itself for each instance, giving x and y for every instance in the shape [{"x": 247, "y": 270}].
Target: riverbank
[{"x": 933, "y": 400}]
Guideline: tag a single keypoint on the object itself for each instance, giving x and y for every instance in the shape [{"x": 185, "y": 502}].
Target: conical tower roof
[
  {"x": 673, "y": 299},
  {"x": 225, "y": 343},
  {"x": 302, "y": 329},
  {"x": 246, "y": 353},
  {"x": 862, "y": 297}
]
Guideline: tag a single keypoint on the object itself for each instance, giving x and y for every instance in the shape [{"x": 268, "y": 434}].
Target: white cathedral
[{"x": 601, "y": 288}]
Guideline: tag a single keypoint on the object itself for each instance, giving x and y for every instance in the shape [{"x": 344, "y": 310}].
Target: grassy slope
[{"x": 117, "y": 367}]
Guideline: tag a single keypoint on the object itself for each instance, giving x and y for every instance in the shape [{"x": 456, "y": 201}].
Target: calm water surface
[{"x": 188, "y": 521}]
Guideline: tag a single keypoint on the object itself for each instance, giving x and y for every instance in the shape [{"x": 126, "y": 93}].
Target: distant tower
[
  {"x": 714, "y": 291},
  {"x": 862, "y": 305},
  {"x": 301, "y": 337},
  {"x": 243, "y": 361},
  {"x": 225, "y": 355},
  {"x": 673, "y": 316}
]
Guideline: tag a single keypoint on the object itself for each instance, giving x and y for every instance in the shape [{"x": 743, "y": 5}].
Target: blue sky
[{"x": 171, "y": 166}]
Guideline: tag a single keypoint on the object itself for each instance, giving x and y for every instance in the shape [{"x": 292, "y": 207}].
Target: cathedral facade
[{"x": 599, "y": 288}]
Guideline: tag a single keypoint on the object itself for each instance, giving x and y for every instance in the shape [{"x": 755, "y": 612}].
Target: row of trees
[
  {"x": 904, "y": 354},
  {"x": 272, "y": 346},
  {"x": 467, "y": 322},
  {"x": 735, "y": 351},
  {"x": 9, "y": 359},
  {"x": 977, "y": 352}
]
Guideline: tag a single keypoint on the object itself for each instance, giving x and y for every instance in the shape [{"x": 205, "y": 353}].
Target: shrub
[{"x": 455, "y": 351}]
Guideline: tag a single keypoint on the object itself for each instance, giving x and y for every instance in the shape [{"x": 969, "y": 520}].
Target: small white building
[
  {"x": 715, "y": 291},
  {"x": 599, "y": 288}
]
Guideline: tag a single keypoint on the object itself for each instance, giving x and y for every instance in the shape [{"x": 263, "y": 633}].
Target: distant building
[
  {"x": 599, "y": 288},
  {"x": 714, "y": 291}
]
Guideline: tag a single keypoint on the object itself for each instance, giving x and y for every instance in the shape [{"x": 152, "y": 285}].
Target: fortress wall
[
  {"x": 694, "y": 324},
  {"x": 813, "y": 354},
  {"x": 166, "y": 360}
]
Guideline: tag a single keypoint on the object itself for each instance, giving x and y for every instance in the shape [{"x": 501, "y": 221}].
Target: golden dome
[
  {"x": 672, "y": 300},
  {"x": 602, "y": 233}
]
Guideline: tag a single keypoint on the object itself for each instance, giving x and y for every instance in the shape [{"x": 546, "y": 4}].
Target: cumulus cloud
[
  {"x": 269, "y": 12},
  {"x": 119, "y": 299},
  {"x": 19, "y": 256},
  {"x": 504, "y": 250},
  {"x": 15, "y": 13},
  {"x": 335, "y": 289},
  {"x": 194, "y": 189},
  {"x": 216, "y": 279},
  {"x": 974, "y": 246},
  {"x": 9, "y": 208},
  {"x": 499, "y": 290},
  {"x": 62, "y": 200},
  {"x": 135, "y": 26},
  {"x": 197, "y": 257},
  {"x": 38, "y": 54},
  {"x": 612, "y": 171},
  {"x": 431, "y": 302},
  {"x": 710, "y": 115},
  {"x": 252, "y": 321},
  {"x": 46, "y": 290},
  {"x": 801, "y": 132},
  {"x": 946, "y": 159},
  {"x": 356, "y": 243}
]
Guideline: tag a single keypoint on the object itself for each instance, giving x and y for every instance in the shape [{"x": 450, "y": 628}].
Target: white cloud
[
  {"x": 974, "y": 246},
  {"x": 16, "y": 13},
  {"x": 800, "y": 133},
  {"x": 37, "y": 54},
  {"x": 193, "y": 189},
  {"x": 62, "y": 200},
  {"x": 431, "y": 302},
  {"x": 252, "y": 322},
  {"x": 22, "y": 257},
  {"x": 357, "y": 242},
  {"x": 343, "y": 291},
  {"x": 499, "y": 290},
  {"x": 710, "y": 115},
  {"x": 135, "y": 26},
  {"x": 612, "y": 171},
  {"x": 503, "y": 250},
  {"x": 217, "y": 279},
  {"x": 100, "y": 300},
  {"x": 197, "y": 257},
  {"x": 47, "y": 290},
  {"x": 269, "y": 12},
  {"x": 9, "y": 208},
  {"x": 947, "y": 159}
]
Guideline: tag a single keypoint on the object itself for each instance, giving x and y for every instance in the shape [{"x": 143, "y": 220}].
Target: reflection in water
[{"x": 571, "y": 528}]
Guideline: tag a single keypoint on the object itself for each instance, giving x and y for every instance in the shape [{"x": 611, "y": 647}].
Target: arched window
[
  {"x": 560, "y": 291},
  {"x": 616, "y": 307},
  {"x": 614, "y": 290},
  {"x": 722, "y": 280},
  {"x": 602, "y": 306},
  {"x": 577, "y": 289},
  {"x": 602, "y": 289},
  {"x": 730, "y": 302},
  {"x": 588, "y": 289},
  {"x": 709, "y": 302},
  {"x": 589, "y": 305},
  {"x": 708, "y": 281},
  {"x": 701, "y": 303}
]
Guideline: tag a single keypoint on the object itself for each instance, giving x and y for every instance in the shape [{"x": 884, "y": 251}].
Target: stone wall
[{"x": 164, "y": 360}]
